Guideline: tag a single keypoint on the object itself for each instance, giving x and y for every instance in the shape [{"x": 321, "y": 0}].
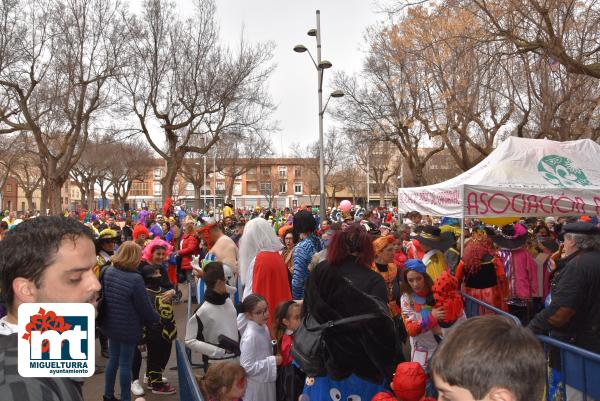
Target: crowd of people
[{"x": 378, "y": 293}]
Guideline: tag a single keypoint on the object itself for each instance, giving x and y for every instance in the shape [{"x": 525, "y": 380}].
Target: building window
[
  {"x": 294, "y": 202},
  {"x": 237, "y": 188},
  {"x": 297, "y": 187},
  {"x": 157, "y": 188},
  {"x": 157, "y": 173},
  {"x": 297, "y": 172},
  {"x": 283, "y": 187},
  {"x": 139, "y": 189},
  {"x": 251, "y": 171},
  {"x": 265, "y": 171},
  {"x": 34, "y": 206},
  {"x": 8, "y": 187},
  {"x": 282, "y": 172},
  {"x": 220, "y": 186},
  {"x": 265, "y": 187},
  {"x": 23, "y": 206},
  {"x": 251, "y": 187}
]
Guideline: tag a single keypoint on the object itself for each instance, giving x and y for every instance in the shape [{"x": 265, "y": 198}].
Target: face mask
[{"x": 153, "y": 282}]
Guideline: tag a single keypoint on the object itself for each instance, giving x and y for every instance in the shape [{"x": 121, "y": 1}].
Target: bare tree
[
  {"x": 382, "y": 102},
  {"x": 125, "y": 163},
  {"x": 563, "y": 32},
  {"x": 240, "y": 155},
  {"x": 181, "y": 80},
  {"x": 7, "y": 159},
  {"x": 268, "y": 184},
  {"x": 333, "y": 161},
  {"x": 22, "y": 165},
  {"x": 379, "y": 161},
  {"x": 193, "y": 172},
  {"x": 90, "y": 167},
  {"x": 57, "y": 58}
]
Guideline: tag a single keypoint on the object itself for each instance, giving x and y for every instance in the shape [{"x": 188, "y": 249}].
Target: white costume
[{"x": 259, "y": 363}]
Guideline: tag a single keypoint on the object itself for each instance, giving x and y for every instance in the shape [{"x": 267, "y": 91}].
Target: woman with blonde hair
[{"x": 126, "y": 308}]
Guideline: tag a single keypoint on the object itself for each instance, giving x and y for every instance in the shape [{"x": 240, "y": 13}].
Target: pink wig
[{"x": 149, "y": 249}]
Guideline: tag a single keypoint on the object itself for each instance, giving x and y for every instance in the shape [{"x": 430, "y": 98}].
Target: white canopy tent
[{"x": 521, "y": 177}]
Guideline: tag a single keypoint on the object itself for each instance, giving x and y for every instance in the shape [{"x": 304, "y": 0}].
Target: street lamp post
[{"x": 320, "y": 65}]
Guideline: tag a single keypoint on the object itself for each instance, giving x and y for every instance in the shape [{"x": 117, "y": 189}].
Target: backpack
[{"x": 309, "y": 349}]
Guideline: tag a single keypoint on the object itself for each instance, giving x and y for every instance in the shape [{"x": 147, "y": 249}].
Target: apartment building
[{"x": 278, "y": 182}]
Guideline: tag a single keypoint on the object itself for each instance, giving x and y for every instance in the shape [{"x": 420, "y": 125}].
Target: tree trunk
[
  {"x": 54, "y": 186},
  {"x": 29, "y": 197},
  {"x": 91, "y": 196},
  {"x": 229, "y": 189},
  {"x": 167, "y": 182}
]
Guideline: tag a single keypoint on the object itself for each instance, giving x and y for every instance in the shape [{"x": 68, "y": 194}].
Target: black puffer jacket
[{"x": 366, "y": 348}]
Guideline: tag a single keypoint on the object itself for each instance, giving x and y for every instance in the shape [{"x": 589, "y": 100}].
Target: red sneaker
[{"x": 163, "y": 388}]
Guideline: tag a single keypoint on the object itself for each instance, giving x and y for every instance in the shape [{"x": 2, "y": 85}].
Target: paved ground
[{"x": 94, "y": 386}]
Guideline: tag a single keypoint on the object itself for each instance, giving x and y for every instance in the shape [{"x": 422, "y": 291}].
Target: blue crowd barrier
[
  {"x": 188, "y": 387},
  {"x": 580, "y": 368},
  {"x": 476, "y": 307}
]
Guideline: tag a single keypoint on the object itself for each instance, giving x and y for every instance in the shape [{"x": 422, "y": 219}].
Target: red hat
[
  {"x": 409, "y": 381},
  {"x": 382, "y": 396}
]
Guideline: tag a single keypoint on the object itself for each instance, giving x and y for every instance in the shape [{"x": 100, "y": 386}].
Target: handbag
[{"x": 309, "y": 349}]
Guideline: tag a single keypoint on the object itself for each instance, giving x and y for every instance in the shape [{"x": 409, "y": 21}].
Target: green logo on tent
[{"x": 559, "y": 170}]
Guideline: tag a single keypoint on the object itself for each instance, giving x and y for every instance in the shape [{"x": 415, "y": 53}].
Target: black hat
[
  {"x": 434, "y": 238},
  {"x": 148, "y": 270},
  {"x": 551, "y": 245},
  {"x": 512, "y": 236},
  {"x": 580, "y": 227}
]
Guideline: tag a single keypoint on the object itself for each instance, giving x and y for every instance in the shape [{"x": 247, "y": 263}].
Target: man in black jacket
[
  {"x": 573, "y": 315},
  {"x": 45, "y": 259}
]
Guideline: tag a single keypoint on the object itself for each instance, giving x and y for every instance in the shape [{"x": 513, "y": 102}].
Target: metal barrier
[
  {"x": 188, "y": 388},
  {"x": 475, "y": 307},
  {"x": 580, "y": 368},
  {"x": 190, "y": 313}
]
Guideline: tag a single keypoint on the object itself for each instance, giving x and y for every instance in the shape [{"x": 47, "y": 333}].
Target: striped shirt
[{"x": 14, "y": 387}]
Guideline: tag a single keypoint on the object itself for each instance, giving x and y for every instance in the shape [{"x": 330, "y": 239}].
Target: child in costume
[
  {"x": 290, "y": 379},
  {"x": 418, "y": 314},
  {"x": 224, "y": 381},
  {"x": 216, "y": 317},
  {"x": 257, "y": 351},
  {"x": 408, "y": 384},
  {"x": 159, "y": 337}
]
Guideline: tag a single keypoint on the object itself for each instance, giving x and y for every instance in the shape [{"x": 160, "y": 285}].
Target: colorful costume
[
  {"x": 482, "y": 275},
  {"x": 447, "y": 296}
]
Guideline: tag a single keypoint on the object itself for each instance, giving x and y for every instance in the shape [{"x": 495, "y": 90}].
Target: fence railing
[
  {"x": 188, "y": 387},
  {"x": 476, "y": 307},
  {"x": 580, "y": 369}
]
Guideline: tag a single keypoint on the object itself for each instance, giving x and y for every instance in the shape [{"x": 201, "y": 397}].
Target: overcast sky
[{"x": 293, "y": 85}]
